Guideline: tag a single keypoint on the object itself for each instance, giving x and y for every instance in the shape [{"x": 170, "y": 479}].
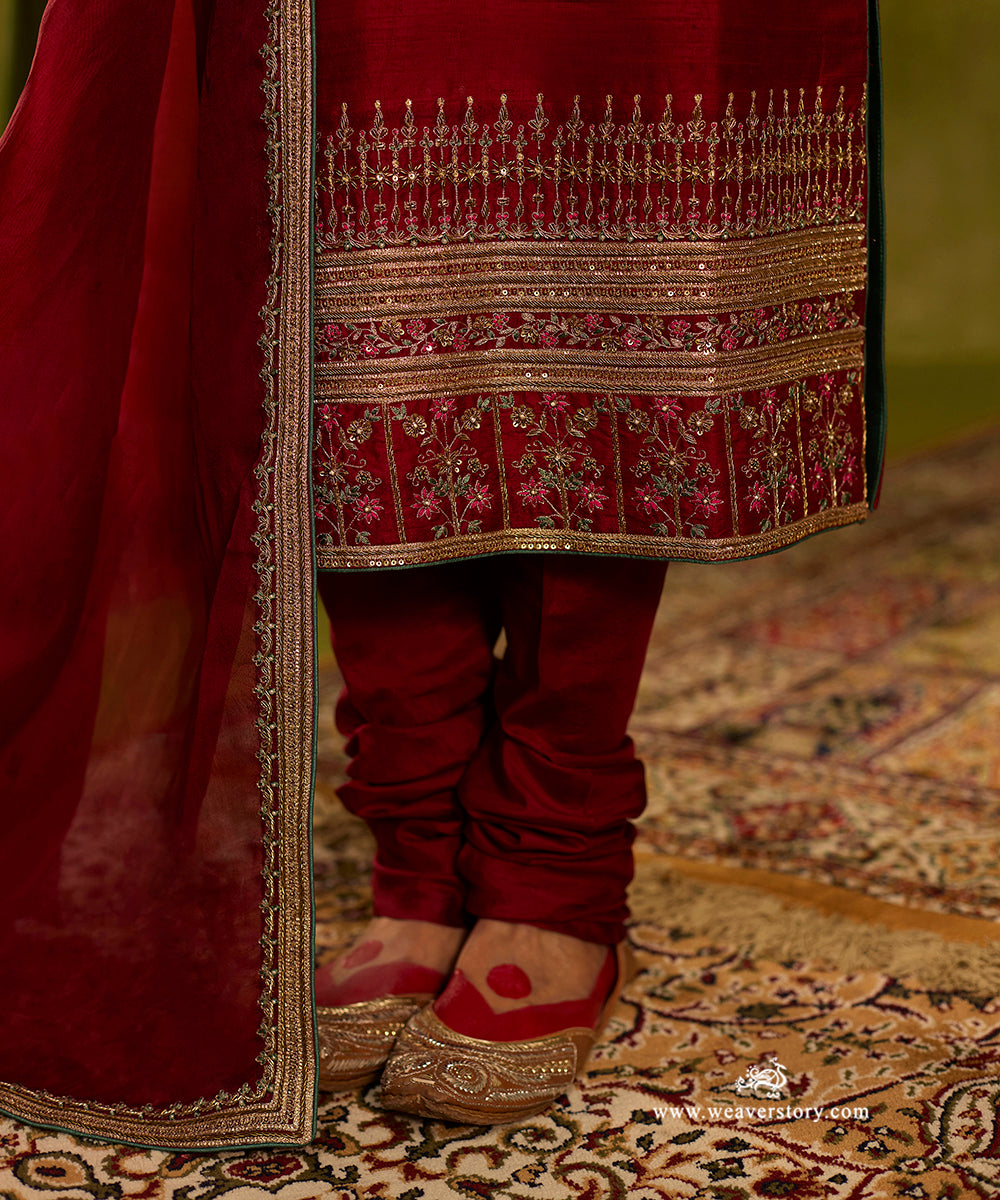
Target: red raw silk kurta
[{"x": 593, "y": 277}]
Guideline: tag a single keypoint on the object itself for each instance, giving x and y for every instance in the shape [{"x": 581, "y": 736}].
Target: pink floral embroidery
[
  {"x": 796, "y": 449},
  {"x": 449, "y": 474},
  {"x": 792, "y": 491},
  {"x": 772, "y": 423},
  {"x": 479, "y": 497},
  {"x": 591, "y": 497},
  {"x": 831, "y": 440},
  {"x": 533, "y": 493},
  {"x": 368, "y": 509},
  {"x": 345, "y": 483},
  {"x": 426, "y": 504},
  {"x": 710, "y": 502},
  {"x": 559, "y": 462},
  {"x": 673, "y": 463},
  {"x": 708, "y": 334},
  {"x": 815, "y": 422},
  {"x": 647, "y": 499},
  {"x": 440, "y": 409},
  {"x": 667, "y": 406}
]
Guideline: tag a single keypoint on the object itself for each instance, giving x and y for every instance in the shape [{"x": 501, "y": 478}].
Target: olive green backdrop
[{"x": 943, "y": 193}]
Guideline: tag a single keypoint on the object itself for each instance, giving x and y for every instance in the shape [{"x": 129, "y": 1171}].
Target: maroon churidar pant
[{"x": 496, "y": 788}]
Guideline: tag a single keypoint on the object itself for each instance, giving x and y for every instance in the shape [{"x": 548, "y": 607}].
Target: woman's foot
[
  {"x": 511, "y": 1030},
  {"x": 513, "y": 982},
  {"x": 365, "y": 997},
  {"x": 390, "y": 958}
]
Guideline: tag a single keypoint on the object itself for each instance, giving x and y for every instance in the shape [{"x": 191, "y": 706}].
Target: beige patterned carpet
[{"x": 816, "y": 894}]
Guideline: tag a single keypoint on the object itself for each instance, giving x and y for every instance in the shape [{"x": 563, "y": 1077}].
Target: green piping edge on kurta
[{"x": 875, "y": 391}]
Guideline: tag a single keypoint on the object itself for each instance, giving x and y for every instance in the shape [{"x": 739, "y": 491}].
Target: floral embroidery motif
[
  {"x": 648, "y": 471},
  {"x": 832, "y": 448},
  {"x": 448, "y": 476},
  {"x": 345, "y": 486},
  {"x": 772, "y": 467},
  {"x": 563, "y": 483},
  {"x": 351, "y": 341},
  {"x": 779, "y": 164},
  {"x": 676, "y": 475},
  {"x": 804, "y": 455}
]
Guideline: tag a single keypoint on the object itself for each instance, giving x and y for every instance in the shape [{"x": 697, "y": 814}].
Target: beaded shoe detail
[
  {"x": 433, "y": 1071},
  {"x": 356, "y": 1039}
]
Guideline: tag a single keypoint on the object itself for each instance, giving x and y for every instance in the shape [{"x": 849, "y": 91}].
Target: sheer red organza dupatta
[{"x": 156, "y": 658}]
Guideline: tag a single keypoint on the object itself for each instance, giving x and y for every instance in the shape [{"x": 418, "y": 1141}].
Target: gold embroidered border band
[
  {"x": 288, "y": 791},
  {"x": 697, "y": 276},
  {"x": 392, "y": 380},
  {"x": 515, "y": 541},
  {"x": 650, "y": 174}
]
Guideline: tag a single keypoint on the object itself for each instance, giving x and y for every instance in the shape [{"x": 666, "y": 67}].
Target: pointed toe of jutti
[
  {"x": 355, "y": 1040},
  {"x": 436, "y": 1072}
]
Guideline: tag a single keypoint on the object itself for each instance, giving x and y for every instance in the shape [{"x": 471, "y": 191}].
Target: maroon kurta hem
[{"x": 591, "y": 283}]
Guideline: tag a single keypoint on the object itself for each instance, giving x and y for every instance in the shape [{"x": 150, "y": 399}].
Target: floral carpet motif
[{"x": 824, "y": 720}]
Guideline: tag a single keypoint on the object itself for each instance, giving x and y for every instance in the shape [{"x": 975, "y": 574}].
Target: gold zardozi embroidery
[
  {"x": 427, "y": 299},
  {"x": 507, "y": 541},
  {"x": 692, "y": 276},
  {"x": 794, "y": 167},
  {"x": 391, "y": 380},
  {"x": 629, "y": 337}
]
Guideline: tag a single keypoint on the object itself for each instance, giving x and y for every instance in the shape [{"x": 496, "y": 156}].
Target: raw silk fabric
[
  {"x": 157, "y": 317},
  {"x": 497, "y": 789}
]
